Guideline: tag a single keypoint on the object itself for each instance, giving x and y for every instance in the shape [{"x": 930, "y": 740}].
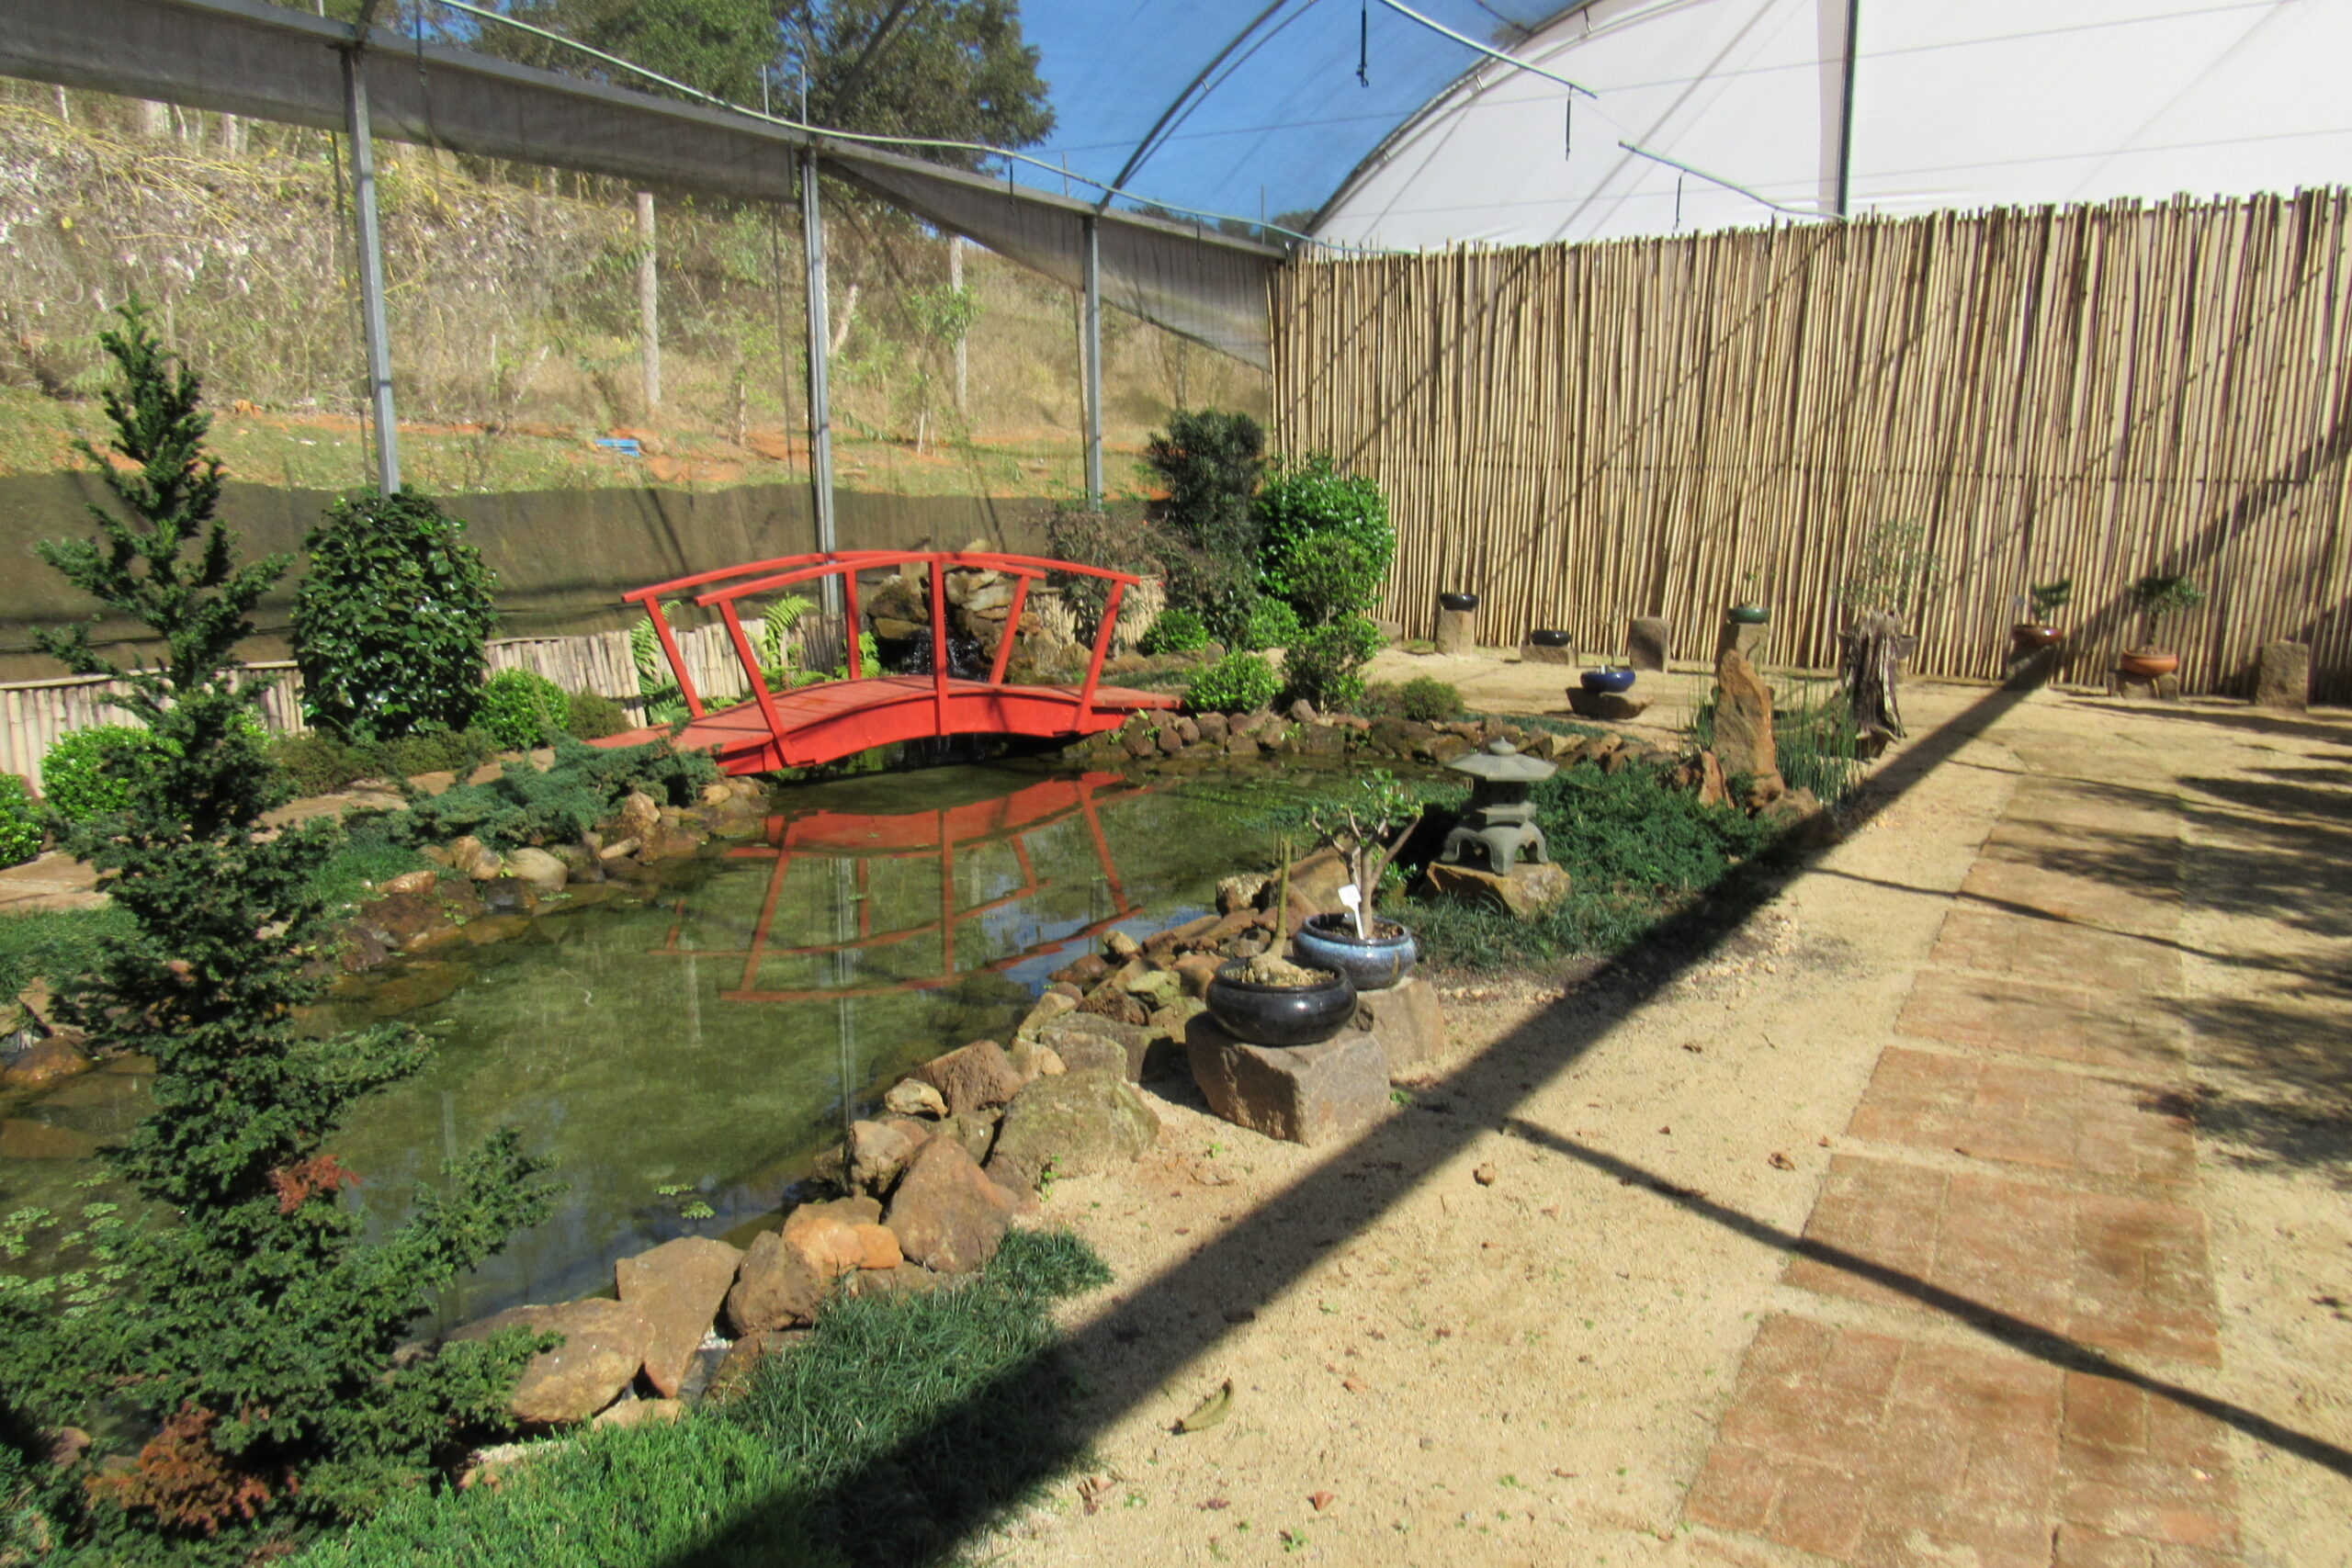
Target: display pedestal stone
[
  {"x": 1649, "y": 640},
  {"x": 1408, "y": 1023},
  {"x": 1743, "y": 637},
  {"x": 1301, "y": 1094},
  {"x": 2153, "y": 688},
  {"x": 1614, "y": 706},
  {"x": 1537, "y": 653},
  {"x": 1457, "y": 631},
  {"x": 2282, "y": 679},
  {"x": 2031, "y": 663}
]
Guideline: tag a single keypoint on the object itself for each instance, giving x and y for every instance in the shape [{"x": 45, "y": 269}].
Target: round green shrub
[
  {"x": 522, "y": 708},
  {"x": 316, "y": 762},
  {"x": 1178, "y": 630},
  {"x": 1239, "y": 683},
  {"x": 1429, "y": 700},
  {"x": 1273, "y": 624},
  {"x": 1326, "y": 665},
  {"x": 1324, "y": 541},
  {"x": 595, "y": 716},
  {"x": 390, "y": 619},
  {"x": 19, "y": 821},
  {"x": 90, "y": 773}
]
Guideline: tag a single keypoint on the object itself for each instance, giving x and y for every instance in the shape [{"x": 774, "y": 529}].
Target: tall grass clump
[
  {"x": 900, "y": 1427},
  {"x": 1814, "y": 736}
]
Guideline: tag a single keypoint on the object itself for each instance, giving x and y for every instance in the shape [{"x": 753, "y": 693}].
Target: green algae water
[{"x": 690, "y": 1043}]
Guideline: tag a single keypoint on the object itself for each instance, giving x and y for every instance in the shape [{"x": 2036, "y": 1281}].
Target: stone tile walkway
[{"x": 2022, "y": 1162}]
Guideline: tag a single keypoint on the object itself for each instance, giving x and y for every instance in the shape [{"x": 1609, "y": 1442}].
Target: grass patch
[
  {"x": 902, "y": 1426},
  {"x": 45, "y": 944}
]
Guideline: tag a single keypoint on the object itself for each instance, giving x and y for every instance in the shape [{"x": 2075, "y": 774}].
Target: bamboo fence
[{"x": 1583, "y": 433}]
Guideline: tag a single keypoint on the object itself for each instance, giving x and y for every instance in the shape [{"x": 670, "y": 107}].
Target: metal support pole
[
  {"x": 821, "y": 410},
  {"x": 1094, "y": 355},
  {"x": 649, "y": 306},
  {"x": 1846, "y": 116},
  {"x": 371, "y": 273}
]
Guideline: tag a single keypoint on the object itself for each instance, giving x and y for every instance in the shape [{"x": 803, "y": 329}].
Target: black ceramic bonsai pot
[
  {"x": 1751, "y": 614},
  {"x": 1545, "y": 637},
  {"x": 1280, "y": 1015},
  {"x": 1458, "y": 601},
  {"x": 1619, "y": 678},
  {"x": 1373, "y": 963}
]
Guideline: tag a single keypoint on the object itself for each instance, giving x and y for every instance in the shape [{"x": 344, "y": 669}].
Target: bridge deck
[{"x": 823, "y": 723}]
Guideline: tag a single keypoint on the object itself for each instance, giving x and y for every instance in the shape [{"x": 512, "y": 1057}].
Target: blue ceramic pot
[
  {"x": 1279, "y": 1015},
  {"x": 1330, "y": 941},
  {"x": 1607, "y": 679}
]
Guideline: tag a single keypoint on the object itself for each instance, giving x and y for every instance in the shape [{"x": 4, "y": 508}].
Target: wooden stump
[{"x": 1869, "y": 669}]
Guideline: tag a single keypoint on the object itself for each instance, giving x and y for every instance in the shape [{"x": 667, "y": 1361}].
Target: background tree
[{"x": 244, "y": 1316}]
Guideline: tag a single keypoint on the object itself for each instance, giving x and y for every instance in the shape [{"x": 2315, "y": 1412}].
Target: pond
[{"x": 710, "y": 1034}]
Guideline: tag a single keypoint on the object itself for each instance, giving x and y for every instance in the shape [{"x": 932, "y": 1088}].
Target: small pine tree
[{"x": 250, "y": 1323}]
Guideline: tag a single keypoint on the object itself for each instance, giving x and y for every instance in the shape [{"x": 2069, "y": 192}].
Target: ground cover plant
[
  {"x": 900, "y": 1426},
  {"x": 390, "y": 619},
  {"x": 234, "y": 1319}
]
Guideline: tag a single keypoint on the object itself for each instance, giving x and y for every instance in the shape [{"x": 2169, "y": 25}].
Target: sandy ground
[{"x": 1504, "y": 1325}]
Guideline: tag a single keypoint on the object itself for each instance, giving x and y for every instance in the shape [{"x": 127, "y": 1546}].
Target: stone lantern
[{"x": 1499, "y": 823}]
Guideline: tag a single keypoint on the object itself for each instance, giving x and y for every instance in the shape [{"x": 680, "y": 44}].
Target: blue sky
[{"x": 1285, "y": 127}]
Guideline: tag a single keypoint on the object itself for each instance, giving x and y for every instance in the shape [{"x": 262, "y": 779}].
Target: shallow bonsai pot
[
  {"x": 1280, "y": 1015},
  {"x": 1750, "y": 614},
  {"x": 1545, "y": 637},
  {"x": 2030, "y": 636},
  {"x": 1458, "y": 601},
  {"x": 1373, "y": 963},
  {"x": 1614, "y": 681},
  {"x": 2149, "y": 666}
]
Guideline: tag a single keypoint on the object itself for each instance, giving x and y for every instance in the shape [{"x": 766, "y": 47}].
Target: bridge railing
[{"x": 726, "y": 586}]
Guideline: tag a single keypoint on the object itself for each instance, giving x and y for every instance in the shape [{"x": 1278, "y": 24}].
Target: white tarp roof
[{"x": 1956, "y": 104}]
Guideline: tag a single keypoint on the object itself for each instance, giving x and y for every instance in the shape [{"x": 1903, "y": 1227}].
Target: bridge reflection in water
[{"x": 848, "y": 847}]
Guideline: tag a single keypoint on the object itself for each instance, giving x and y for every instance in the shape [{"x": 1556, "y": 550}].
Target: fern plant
[{"x": 664, "y": 703}]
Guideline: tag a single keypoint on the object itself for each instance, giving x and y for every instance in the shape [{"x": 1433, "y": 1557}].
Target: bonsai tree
[
  {"x": 1892, "y": 573},
  {"x": 240, "y": 1314},
  {"x": 2048, "y": 598},
  {"x": 1367, "y": 830},
  {"x": 2160, "y": 597}
]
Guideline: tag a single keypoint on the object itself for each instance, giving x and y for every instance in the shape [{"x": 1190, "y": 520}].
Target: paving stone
[
  {"x": 2067, "y": 1123},
  {"x": 2066, "y": 1023},
  {"x": 2116, "y": 1272},
  {"x": 2025, "y": 887},
  {"x": 2055, "y": 952},
  {"x": 1887, "y": 1452}
]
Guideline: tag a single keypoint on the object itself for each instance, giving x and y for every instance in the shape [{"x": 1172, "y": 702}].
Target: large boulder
[
  {"x": 1530, "y": 892},
  {"x": 47, "y": 1060},
  {"x": 604, "y": 1344},
  {"x": 537, "y": 869},
  {"x": 1080, "y": 1123},
  {"x": 775, "y": 1288},
  {"x": 1087, "y": 1040},
  {"x": 1744, "y": 719},
  {"x": 980, "y": 1076},
  {"x": 877, "y": 1152},
  {"x": 947, "y": 1214},
  {"x": 678, "y": 1286}
]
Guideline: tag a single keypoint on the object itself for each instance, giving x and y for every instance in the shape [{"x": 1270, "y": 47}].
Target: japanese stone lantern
[{"x": 1498, "y": 823}]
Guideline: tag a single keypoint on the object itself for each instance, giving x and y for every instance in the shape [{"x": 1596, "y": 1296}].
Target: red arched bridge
[{"x": 804, "y": 726}]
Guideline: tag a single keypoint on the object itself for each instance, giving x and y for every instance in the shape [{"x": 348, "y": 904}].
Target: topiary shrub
[
  {"x": 1239, "y": 683},
  {"x": 20, "y": 832},
  {"x": 1429, "y": 700},
  {"x": 391, "y": 620},
  {"x": 1178, "y": 630},
  {"x": 1272, "y": 624},
  {"x": 1324, "y": 541},
  {"x": 1326, "y": 665},
  {"x": 595, "y": 716},
  {"x": 89, "y": 772},
  {"x": 522, "y": 708}
]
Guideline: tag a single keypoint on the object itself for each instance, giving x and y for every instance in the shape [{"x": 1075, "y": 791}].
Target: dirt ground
[{"x": 1559, "y": 1287}]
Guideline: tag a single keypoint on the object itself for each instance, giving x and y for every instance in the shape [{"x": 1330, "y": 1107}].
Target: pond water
[{"x": 712, "y": 1033}]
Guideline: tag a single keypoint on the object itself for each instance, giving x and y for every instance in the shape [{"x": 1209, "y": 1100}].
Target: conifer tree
[{"x": 252, "y": 1323}]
